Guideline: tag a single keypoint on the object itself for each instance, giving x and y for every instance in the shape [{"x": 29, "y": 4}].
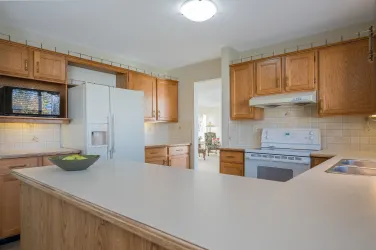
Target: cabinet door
[
  {"x": 232, "y": 168},
  {"x": 241, "y": 90},
  {"x": 14, "y": 60},
  {"x": 268, "y": 77},
  {"x": 167, "y": 100},
  {"x": 9, "y": 206},
  {"x": 347, "y": 80},
  {"x": 147, "y": 84},
  {"x": 317, "y": 161},
  {"x": 181, "y": 161},
  {"x": 49, "y": 67},
  {"x": 300, "y": 72}
]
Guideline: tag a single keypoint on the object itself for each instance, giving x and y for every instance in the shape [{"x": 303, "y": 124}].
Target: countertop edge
[
  {"x": 168, "y": 145},
  {"x": 38, "y": 154},
  {"x": 233, "y": 149},
  {"x": 159, "y": 237}
]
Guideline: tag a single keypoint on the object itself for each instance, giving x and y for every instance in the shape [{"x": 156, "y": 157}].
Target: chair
[{"x": 209, "y": 136}]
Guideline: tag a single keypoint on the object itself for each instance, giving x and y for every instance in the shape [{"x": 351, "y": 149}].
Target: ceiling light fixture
[{"x": 198, "y": 10}]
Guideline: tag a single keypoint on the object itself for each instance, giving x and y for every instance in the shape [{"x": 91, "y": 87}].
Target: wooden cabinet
[
  {"x": 173, "y": 155},
  {"x": 10, "y": 195},
  {"x": 318, "y": 160},
  {"x": 232, "y": 162},
  {"x": 241, "y": 90},
  {"x": 14, "y": 60},
  {"x": 268, "y": 77},
  {"x": 300, "y": 72},
  {"x": 179, "y": 156},
  {"x": 167, "y": 100},
  {"x": 49, "y": 67},
  {"x": 179, "y": 161},
  {"x": 161, "y": 96},
  {"x": 346, "y": 80},
  {"x": 232, "y": 168},
  {"x": 147, "y": 84}
]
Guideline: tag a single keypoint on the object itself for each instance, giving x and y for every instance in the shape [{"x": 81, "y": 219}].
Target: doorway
[{"x": 207, "y": 124}]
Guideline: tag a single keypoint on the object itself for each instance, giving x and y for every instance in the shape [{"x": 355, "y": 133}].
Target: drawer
[
  {"x": 178, "y": 150},
  {"x": 155, "y": 152},
  {"x": 317, "y": 161},
  {"x": 7, "y": 164},
  {"x": 232, "y": 168},
  {"x": 157, "y": 160},
  {"x": 232, "y": 156}
]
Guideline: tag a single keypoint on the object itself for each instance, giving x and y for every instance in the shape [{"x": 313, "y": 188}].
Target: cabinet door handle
[
  {"x": 287, "y": 81},
  {"x": 26, "y": 65},
  {"x": 37, "y": 67}
]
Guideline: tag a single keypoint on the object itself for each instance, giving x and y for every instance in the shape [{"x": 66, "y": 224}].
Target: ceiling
[
  {"x": 209, "y": 93},
  {"x": 155, "y": 33}
]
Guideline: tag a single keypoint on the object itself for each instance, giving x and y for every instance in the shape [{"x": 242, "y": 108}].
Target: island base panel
[{"x": 51, "y": 223}]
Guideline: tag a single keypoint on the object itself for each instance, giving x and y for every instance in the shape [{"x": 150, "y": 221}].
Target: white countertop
[
  {"x": 313, "y": 211},
  {"x": 36, "y": 152}
]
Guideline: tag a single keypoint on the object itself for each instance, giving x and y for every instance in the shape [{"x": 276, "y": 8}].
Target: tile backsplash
[
  {"x": 337, "y": 132},
  {"x": 17, "y": 136}
]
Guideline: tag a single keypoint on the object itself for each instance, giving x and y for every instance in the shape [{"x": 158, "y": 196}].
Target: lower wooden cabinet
[
  {"x": 10, "y": 192},
  {"x": 232, "y": 162},
  {"x": 232, "y": 168},
  {"x": 318, "y": 160},
  {"x": 173, "y": 156}
]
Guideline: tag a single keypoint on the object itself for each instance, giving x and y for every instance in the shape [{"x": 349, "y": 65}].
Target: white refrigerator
[{"x": 106, "y": 121}]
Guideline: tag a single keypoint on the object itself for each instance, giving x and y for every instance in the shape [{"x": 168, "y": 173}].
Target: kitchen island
[{"x": 125, "y": 205}]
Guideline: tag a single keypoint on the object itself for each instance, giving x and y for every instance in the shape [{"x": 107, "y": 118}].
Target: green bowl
[{"x": 74, "y": 165}]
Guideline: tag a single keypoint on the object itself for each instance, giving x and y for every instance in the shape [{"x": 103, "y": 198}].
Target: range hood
[{"x": 272, "y": 101}]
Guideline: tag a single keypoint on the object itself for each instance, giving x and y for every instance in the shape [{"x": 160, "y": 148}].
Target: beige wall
[{"x": 19, "y": 35}]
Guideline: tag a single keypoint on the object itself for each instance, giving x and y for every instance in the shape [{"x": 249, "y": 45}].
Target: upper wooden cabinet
[
  {"x": 49, "y": 67},
  {"x": 241, "y": 90},
  {"x": 167, "y": 100},
  {"x": 300, "y": 72},
  {"x": 268, "y": 76},
  {"x": 346, "y": 80},
  {"x": 14, "y": 60},
  {"x": 147, "y": 84}
]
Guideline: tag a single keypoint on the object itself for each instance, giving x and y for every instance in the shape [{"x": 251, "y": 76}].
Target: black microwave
[{"x": 29, "y": 102}]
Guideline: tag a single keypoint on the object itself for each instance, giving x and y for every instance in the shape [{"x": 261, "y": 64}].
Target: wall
[
  {"x": 19, "y": 35},
  {"x": 18, "y": 136},
  {"x": 188, "y": 75},
  {"x": 337, "y": 132}
]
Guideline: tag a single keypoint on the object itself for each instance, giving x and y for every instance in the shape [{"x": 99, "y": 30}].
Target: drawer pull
[
  {"x": 153, "y": 153},
  {"x": 179, "y": 150},
  {"x": 19, "y": 166}
]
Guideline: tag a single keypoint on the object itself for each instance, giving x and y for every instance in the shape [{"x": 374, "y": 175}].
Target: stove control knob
[
  {"x": 266, "y": 137},
  {"x": 311, "y": 138},
  {"x": 311, "y": 132}
]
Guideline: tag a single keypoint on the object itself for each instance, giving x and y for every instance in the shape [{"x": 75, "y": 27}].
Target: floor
[
  {"x": 11, "y": 246},
  {"x": 210, "y": 164}
]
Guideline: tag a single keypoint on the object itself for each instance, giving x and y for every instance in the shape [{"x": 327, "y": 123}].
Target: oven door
[{"x": 274, "y": 168}]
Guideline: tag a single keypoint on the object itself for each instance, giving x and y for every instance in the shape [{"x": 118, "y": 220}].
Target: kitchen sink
[{"x": 354, "y": 167}]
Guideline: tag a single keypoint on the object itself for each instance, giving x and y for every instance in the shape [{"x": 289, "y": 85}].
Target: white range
[{"x": 284, "y": 154}]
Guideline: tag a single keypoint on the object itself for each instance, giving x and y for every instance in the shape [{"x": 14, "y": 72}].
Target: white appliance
[
  {"x": 106, "y": 121},
  {"x": 284, "y": 154},
  {"x": 271, "y": 101}
]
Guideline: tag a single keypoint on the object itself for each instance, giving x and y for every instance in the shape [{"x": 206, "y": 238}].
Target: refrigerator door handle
[
  {"x": 113, "y": 133},
  {"x": 109, "y": 131}
]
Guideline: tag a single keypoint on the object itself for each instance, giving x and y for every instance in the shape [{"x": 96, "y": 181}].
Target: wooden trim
[
  {"x": 144, "y": 231},
  {"x": 303, "y": 51},
  {"x": 25, "y": 119}
]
